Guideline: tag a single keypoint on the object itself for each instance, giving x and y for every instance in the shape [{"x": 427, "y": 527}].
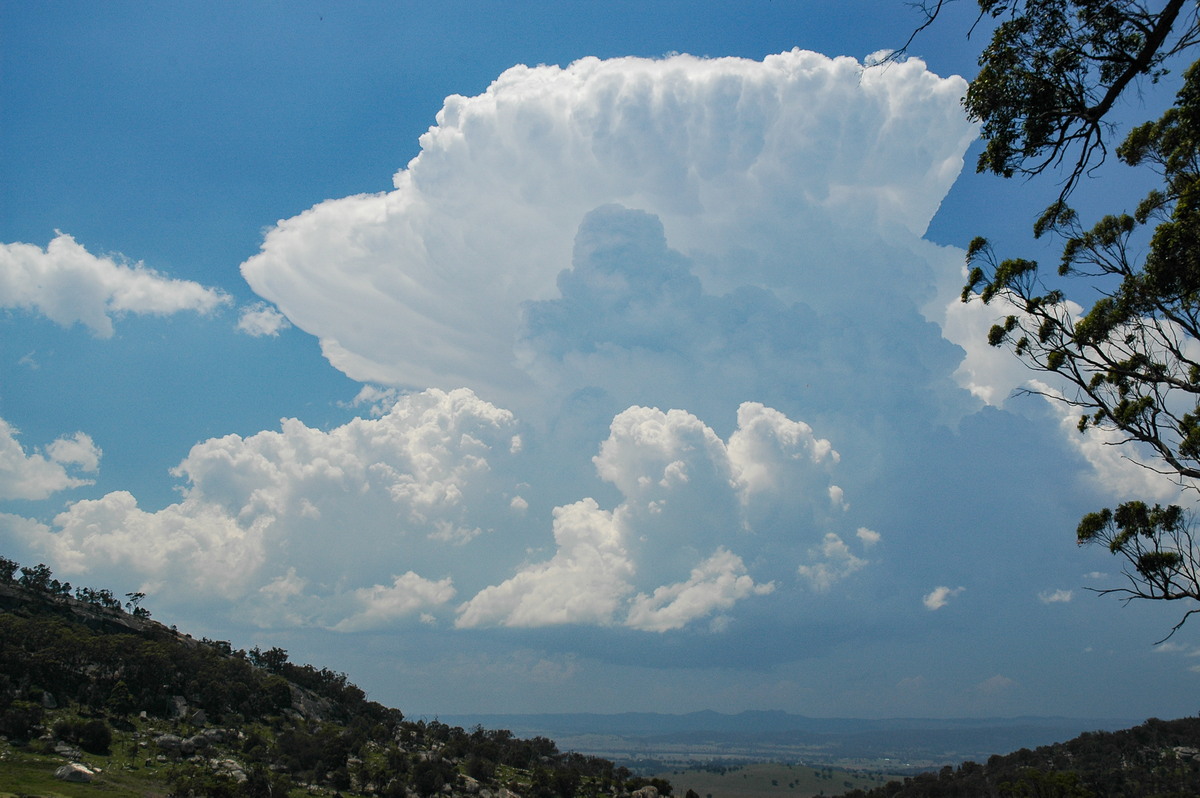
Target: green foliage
[
  {"x": 1049, "y": 77},
  {"x": 105, "y": 671},
  {"x": 1152, "y": 759},
  {"x": 1054, "y": 69},
  {"x": 93, "y": 736}
]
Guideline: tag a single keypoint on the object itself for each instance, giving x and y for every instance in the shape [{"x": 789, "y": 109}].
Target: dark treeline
[
  {"x": 1158, "y": 759},
  {"x": 79, "y": 679}
]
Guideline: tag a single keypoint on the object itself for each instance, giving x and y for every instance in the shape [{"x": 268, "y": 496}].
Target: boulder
[
  {"x": 231, "y": 768},
  {"x": 67, "y": 750},
  {"x": 169, "y": 742},
  {"x": 74, "y": 772}
]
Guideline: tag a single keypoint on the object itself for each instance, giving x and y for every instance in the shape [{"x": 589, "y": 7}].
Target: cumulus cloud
[
  {"x": 411, "y": 478},
  {"x": 68, "y": 285},
  {"x": 940, "y": 596},
  {"x": 193, "y": 545},
  {"x": 831, "y": 562},
  {"x": 1055, "y": 596},
  {"x": 716, "y": 584},
  {"x": 36, "y": 475},
  {"x": 407, "y": 594},
  {"x": 260, "y": 319},
  {"x": 684, "y": 491},
  {"x": 869, "y": 537},
  {"x": 583, "y": 583}
]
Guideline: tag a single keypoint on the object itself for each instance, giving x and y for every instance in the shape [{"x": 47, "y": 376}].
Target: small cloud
[
  {"x": 29, "y": 362},
  {"x": 518, "y": 504},
  {"x": 1055, "y": 596},
  {"x": 911, "y": 684},
  {"x": 940, "y": 596},
  {"x": 380, "y": 400},
  {"x": 833, "y": 561},
  {"x": 996, "y": 684},
  {"x": 261, "y": 319},
  {"x": 869, "y": 537},
  {"x": 1095, "y": 575}
]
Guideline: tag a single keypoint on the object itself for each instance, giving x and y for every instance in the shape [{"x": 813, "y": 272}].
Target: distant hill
[
  {"x": 781, "y": 736},
  {"x": 120, "y": 705}
]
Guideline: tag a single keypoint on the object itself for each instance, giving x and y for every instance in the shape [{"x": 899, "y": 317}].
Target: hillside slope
[
  {"x": 1157, "y": 759},
  {"x": 146, "y": 711}
]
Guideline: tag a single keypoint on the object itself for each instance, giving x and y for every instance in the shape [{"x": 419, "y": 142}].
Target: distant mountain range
[{"x": 777, "y": 735}]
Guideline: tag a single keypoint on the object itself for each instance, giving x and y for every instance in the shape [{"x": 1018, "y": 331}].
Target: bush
[
  {"x": 92, "y": 736},
  {"x": 21, "y": 720}
]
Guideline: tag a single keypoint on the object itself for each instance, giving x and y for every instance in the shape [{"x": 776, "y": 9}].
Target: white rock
[{"x": 75, "y": 772}]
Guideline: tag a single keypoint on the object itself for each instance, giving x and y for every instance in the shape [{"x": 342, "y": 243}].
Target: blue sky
[{"x": 549, "y": 357}]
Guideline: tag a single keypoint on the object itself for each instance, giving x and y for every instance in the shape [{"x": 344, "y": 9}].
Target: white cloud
[
  {"x": 1055, "y": 596},
  {"x": 407, "y": 594},
  {"x": 940, "y": 596},
  {"x": 584, "y": 583},
  {"x": 188, "y": 547},
  {"x": 753, "y": 167},
  {"x": 1114, "y": 468},
  {"x": 259, "y": 514},
  {"x": 766, "y": 446},
  {"x": 378, "y": 400},
  {"x": 680, "y": 498},
  {"x": 869, "y": 537},
  {"x": 716, "y": 584},
  {"x": 69, "y": 285},
  {"x": 34, "y": 475},
  {"x": 260, "y": 319},
  {"x": 830, "y": 563}
]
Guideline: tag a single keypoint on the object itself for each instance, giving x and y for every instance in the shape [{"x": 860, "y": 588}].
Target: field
[{"x": 772, "y": 780}]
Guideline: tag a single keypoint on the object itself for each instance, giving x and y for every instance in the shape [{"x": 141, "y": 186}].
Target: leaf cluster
[
  {"x": 1127, "y": 345},
  {"x": 1055, "y": 68}
]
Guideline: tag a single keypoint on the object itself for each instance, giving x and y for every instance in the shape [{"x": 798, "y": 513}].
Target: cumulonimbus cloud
[
  {"x": 614, "y": 258},
  {"x": 754, "y": 168}
]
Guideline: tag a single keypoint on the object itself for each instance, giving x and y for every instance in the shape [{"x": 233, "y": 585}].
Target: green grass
[
  {"x": 772, "y": 780},
  {"x": 25, "y": 773}
]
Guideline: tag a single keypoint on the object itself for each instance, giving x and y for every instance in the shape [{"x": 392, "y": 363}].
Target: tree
[{"x": 1124, "y": 345}]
